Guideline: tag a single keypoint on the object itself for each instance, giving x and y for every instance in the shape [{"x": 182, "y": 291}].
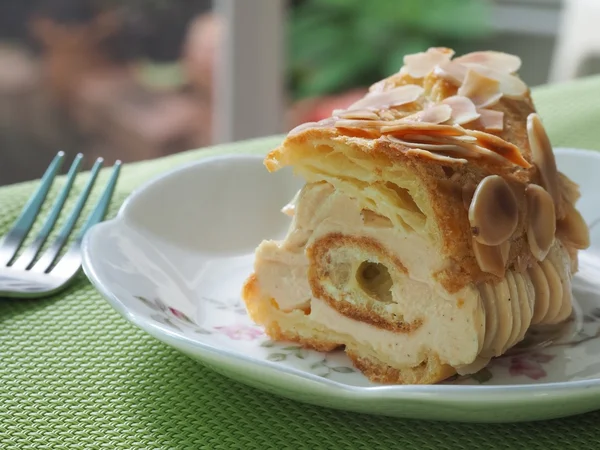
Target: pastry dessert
[{"x": 433, "y": 229}]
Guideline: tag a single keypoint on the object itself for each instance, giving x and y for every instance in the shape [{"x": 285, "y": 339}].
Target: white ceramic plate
[{"x": 174, "y": 260}]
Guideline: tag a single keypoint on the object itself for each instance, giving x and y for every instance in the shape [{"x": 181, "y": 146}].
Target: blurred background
[{"x": 140, "y": 79}]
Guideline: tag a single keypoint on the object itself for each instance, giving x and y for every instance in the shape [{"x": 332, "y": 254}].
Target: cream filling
[
  {"x": 490, "y": 320},
  {"x": 401, "y": 349},
  {"x": 452, "y": 324},
  {"x": 321, "y": 210},
  {"x": 283, "y": 275}
]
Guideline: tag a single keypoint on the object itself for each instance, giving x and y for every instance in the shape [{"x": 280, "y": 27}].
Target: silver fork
[{"x": 24, "y": 276}]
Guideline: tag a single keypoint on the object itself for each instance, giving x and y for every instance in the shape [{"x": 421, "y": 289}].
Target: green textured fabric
[{"x": 75, "y": 375}]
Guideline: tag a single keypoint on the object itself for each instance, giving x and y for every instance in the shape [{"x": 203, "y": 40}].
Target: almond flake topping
[
  {"x": 360, "y": 123},
  {"x": 491, "y": 120},
  {"x": 491, "y": 258},
  {"x": 482, "y": 77},
  {"x": 448, "y": 144},
  {"x": 401, "y": 95},
  {"x": 501, "y": 147},
  {"x": 542, "y": 221},
  {"x": 403, "y": 127},
  {"x": 463, "y": 109},
  {"x": 434, "y": 114},
  {"x": 424, "y": 146},
  {"x": 459, "y": 140},
  {"x": 493, "y": 213},
  {"x": 572, "y": 229},
  {"x": 419, "y": 65},
  {"x": 324, "y": 123},
  {"x": 543, "y": 158},
  {"x": 503, "y": 62},
  {"x": 482, "y": 90},
  {"x": 451, "y": 71},
  {"x": 475, "y": 144},
  {"x": 511, "y": 86},
  {"x": 365, "y": 114},
  {"x": 436, "y": 157}
]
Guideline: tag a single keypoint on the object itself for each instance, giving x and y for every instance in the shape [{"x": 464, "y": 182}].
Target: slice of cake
[{"x": 433, "y": 230}]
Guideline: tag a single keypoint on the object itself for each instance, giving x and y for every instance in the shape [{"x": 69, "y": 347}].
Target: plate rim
[
  {"x": 206, "y": 159},
  {"x": 435, "y": 393}
]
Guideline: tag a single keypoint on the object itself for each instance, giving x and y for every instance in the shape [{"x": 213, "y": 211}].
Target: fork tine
[
  {"x": 28, "y": 256},
  {"x": 70, "y": 263},
  {"x": 102, "y": 206},
  {"x": 52, "y": 252},
  {"x": 14, "y": 238}
]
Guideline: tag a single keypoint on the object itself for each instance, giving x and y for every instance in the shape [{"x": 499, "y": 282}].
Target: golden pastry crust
[
  {"x": 429, "y": 372},
  {"x": 441, "y": 182}
]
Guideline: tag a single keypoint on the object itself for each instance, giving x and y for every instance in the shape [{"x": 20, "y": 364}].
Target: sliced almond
[
  {"x": 493, "y": 213},
  {"x": 325, "y": 123},
  {"x": 572, "y": 229},
  {"x": 556, "y": 292},
  {"x": 465, "y": 146},
  {"x": 516, "y": 302},
  {"x": 498, "y": 145},
  {"x": 403, "y": 127},
  {"x": 490, "y": 258},
  {"x": 505, "y": 318},
  {"x": 434, "y": 114},
  {"x": 435, "y": 157},
  {"x": 400, "y": 95},
  {"x": 419, "y": 65},
  {"x": 359, "y": 123},
  {"x": 542, "y": 221},
  {"x": 463, "y": 109},
  {"x": 491, "y": 120},
  {"x": 490, "y": 155},
  {"x": 542, "y": 293},
  {"x": 569, "y": 188},
  {"x": 451, "y": 71},
  {"x": 469, "y": 147},
  {"x": 424, "y": 146},
  {"x": 482, "y": 90},
  {"x": 382, "y": 85},
  {"x": 503, "y": 62},
  {"x": 543, "y": 158},
  {"x": 511, "y": 86},
  {"x": 364, "y": 114},
  {"x": 440, "y": 138},
  {"x": 389, "y": 114},
  {"x": 465, "y": 138},
  {"x": 488, "y": 297},
  {"x": 566, "y": 307}
]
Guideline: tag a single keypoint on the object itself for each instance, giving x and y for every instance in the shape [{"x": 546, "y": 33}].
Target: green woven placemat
[{"x": 75, "y": 375}]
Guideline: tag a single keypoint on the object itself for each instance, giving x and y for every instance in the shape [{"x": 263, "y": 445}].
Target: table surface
[{"x": 75, "y": 374}]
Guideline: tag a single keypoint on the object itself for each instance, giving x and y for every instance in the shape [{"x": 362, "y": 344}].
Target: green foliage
[{"x": 339, "y": 44}]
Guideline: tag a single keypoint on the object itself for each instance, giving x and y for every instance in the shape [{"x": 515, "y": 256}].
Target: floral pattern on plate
[
  {"x": 530, "y": 359},
  {"x": 323, "y": 365},
  {"x": 185, "y": 291}
]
